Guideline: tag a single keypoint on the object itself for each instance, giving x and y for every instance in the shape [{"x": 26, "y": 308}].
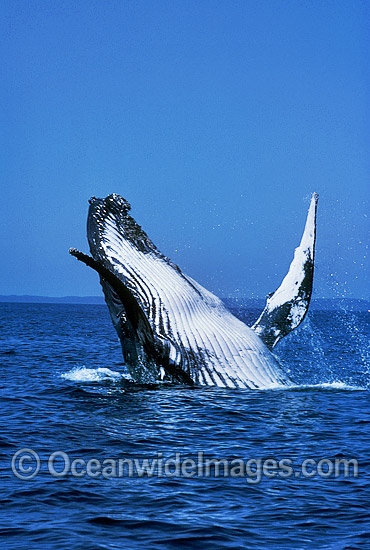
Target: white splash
[{"x": 83, "y": 374}]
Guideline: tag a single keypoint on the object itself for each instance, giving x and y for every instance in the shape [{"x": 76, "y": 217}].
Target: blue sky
[{"x": 216, "y": 120}]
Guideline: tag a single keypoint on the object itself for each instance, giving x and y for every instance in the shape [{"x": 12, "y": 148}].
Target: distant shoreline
[
  {"x": 352, "y": 304},
  {"x": 27, "y": 299}
]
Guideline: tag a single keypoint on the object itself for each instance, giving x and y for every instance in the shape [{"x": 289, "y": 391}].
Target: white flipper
[{"x": 287, "y": 306}]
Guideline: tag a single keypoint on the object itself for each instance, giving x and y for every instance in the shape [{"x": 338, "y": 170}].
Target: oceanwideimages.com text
[{"x": 26, "y": 464}]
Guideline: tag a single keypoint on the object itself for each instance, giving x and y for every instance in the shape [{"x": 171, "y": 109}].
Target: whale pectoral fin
[
  {"x": 287, "y": 307},
  {"x": 142, "y": 350},
  {"x": 121, "y": 292},
  {"x": 129, "y": 320}
]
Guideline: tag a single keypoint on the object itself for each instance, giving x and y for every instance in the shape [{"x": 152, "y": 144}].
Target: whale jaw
[{"x": 170, "y": 327}]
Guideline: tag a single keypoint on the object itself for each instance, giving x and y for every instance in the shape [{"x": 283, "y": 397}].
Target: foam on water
[
  {"x": 101, "y": 374},
  {"x": 340, "y": 386},
  {"x": 84, "y": 374},
  {"x": 323, "y": 386}
]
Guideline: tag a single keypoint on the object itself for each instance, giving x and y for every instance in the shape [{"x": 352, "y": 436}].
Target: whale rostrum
[{"x": 173, "y": 329}]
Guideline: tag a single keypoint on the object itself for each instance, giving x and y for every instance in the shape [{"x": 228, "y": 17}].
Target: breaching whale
[{"x": 173, "y": 329}]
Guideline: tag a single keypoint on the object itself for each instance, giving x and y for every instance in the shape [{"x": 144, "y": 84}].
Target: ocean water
[{"x": 64, "y": 390}]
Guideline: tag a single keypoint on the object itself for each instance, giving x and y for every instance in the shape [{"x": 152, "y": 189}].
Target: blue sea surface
[{"x": 64, "y": 389}]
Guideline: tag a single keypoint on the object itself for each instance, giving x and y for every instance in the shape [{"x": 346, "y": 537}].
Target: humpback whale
[{"x": 173, "y": 329}]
